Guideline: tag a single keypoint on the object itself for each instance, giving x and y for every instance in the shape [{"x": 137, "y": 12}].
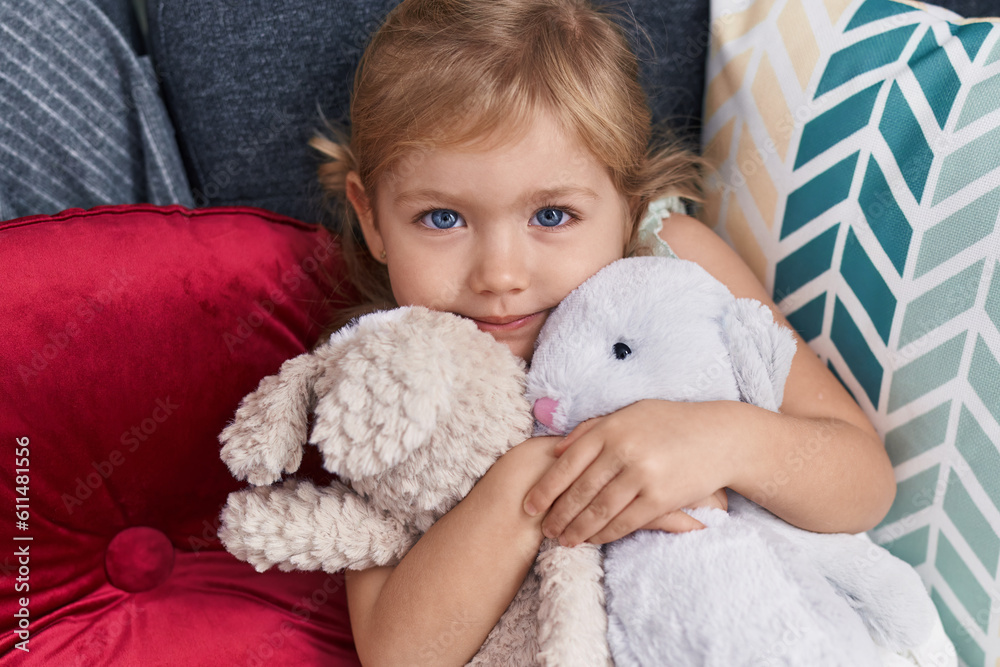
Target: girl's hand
[
  {"x": 636, "y": 468},
  {"x": 679, "y": 521}
]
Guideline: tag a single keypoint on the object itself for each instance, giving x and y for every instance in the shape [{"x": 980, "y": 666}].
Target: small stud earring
[{"x": 382, "y": 256}]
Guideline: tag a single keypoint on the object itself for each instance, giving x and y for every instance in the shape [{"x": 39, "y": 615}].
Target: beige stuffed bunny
[{"x": 411, "y": 408}]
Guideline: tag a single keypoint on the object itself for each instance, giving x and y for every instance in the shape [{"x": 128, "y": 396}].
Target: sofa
[{"x": 855, "y": 147}]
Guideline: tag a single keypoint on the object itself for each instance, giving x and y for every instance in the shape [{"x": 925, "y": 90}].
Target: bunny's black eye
[{"x": 621, "y": 350}]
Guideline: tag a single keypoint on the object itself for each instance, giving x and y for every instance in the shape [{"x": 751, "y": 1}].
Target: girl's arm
[
  {"x": 437, "y": 606},
  {"x": 819, "y": 464}
]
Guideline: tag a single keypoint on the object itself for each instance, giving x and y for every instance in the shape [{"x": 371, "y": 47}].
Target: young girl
[{"x": 498, "y": 157}]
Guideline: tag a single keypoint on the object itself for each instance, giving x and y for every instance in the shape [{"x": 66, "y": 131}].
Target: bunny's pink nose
[{"x": 544, "y": 409}]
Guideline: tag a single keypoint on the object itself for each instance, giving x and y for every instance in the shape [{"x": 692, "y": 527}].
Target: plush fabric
[
  {"x": 412, "y": 407},
  {"x": 771, "y": 587},
  {"x": 859, "y": 146},
  {"x": 131, "y": 333}
]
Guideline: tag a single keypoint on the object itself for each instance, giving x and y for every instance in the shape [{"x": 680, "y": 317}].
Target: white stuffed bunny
[
  {"x": 411, "y": 408},
  {"x": 749, "y": 589}
]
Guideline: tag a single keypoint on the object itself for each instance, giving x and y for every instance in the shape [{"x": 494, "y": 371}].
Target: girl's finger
[
  {"x": 677, "y": 521},
  {"x": 606, "y": 505},
  {"x": 637, "y": 514},
  {"x": 581, "y": 430},
  {"x": 559, "y": 476},
  {"x": 636, "y": 517},
  {"x": 582, "y": 493}
]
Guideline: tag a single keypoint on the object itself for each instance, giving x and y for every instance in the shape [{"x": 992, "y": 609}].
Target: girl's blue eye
[
  {"x": 551, "y": 217},
  {"x": 443, "y": 218}
]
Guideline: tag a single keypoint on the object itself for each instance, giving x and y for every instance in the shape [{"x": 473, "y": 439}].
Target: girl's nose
[
  {"x": 545, "y": 410},
  {"x": 501, "y": 265}
]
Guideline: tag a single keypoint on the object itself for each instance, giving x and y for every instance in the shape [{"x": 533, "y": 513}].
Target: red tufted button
[{"x": 138, "y": 559}]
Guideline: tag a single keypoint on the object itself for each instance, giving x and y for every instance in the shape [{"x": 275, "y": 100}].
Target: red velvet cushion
[{"x": 130, "y": 335}]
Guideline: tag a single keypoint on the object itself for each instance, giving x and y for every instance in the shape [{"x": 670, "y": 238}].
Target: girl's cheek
[
  {"x": 439, "y": 286},
  {"x": 426, "y": 290}
]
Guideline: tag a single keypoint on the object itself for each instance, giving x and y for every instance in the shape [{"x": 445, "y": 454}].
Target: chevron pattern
[{"x": 858, "y": 153}]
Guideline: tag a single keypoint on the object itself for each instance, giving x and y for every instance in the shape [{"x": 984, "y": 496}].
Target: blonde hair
[{"x": 448, "y": 72}]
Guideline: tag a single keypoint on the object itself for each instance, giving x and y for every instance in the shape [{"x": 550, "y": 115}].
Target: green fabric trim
[{"x": 652, "y": 223}]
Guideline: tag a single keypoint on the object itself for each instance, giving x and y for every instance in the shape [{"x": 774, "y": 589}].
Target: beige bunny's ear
[
  {"x": 271, "y": 425},
  {"x": 761, "y": 352},
  {"x": 399, "y": 383}
]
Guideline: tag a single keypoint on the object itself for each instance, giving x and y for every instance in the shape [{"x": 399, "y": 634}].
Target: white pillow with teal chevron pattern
[{"x": 858, "y": 145}]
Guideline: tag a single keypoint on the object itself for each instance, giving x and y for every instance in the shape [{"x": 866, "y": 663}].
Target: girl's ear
[{"x": 363, "y": 209}]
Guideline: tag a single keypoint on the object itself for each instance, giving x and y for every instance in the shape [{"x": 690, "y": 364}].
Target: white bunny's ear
[
  {"x": 761, "y": 352},
  {"x": 271, "y": 425}
]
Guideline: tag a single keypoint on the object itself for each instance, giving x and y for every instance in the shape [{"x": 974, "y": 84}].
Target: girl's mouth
[{"x": 508, "y": 323}]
